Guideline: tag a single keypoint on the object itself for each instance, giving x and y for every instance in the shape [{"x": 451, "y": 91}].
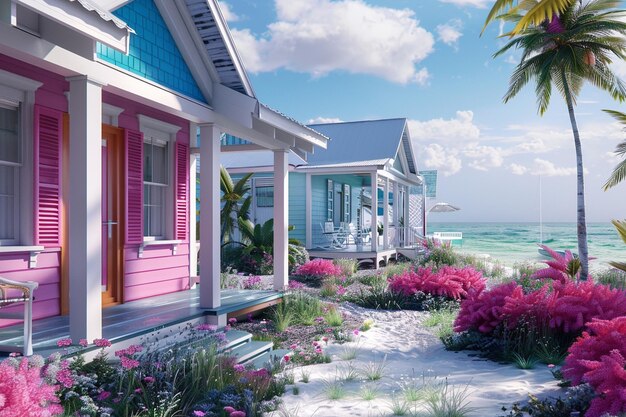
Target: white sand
[{"x": 411, "y": 351}]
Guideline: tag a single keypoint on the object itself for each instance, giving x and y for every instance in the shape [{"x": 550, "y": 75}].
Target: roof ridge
[{"x": 358, "y": 121}]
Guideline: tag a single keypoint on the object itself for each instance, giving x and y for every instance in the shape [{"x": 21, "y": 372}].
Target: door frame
[{"x": 116, "y": 184}]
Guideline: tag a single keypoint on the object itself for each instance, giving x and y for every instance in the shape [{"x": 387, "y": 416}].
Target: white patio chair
[{"x": 26, "y": 289}]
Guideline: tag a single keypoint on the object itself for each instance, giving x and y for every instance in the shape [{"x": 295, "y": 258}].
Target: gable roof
[
  {"x": 218, "y": 42},
  {"x": 369, "y": 140}
]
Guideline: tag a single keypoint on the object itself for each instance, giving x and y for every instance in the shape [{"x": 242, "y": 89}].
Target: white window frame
[
  {"x": 20, "y": 91},
  {"x": 161, "y": 133}
]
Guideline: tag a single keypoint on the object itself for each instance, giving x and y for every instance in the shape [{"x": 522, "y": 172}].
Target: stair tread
[
  {"x": 236, "y": 337},
  {"x": 250, "y": 350},
  {"x": 262, "y": 360}
]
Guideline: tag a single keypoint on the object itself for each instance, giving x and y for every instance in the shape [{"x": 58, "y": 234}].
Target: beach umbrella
[{"x": 443, "y": 208}]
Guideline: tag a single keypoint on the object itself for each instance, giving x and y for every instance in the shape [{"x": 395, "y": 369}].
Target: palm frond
[{"x": 542, "y": 11}]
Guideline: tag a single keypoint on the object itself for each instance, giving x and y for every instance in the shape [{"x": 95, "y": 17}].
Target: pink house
[{"x": 105, "y": 111}]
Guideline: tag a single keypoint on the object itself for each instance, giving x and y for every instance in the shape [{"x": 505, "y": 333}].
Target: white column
[
  {"x": 281, "y": 219},
  {"x": 396, "y": 213},
  {"x": 374, "y": 222},
  {"x": 309, "y": 211},
  {"x": 209, "y": 216},
  {"x": 85, "y": 210},
  {"x": 193, "y": 236},
  {"x": 386, "y": 214}
]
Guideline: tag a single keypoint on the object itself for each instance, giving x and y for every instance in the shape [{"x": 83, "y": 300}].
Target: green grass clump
[
  {"x": 614, "y": 278},
  {"x": 303, "y": 307},
  {"x": 334, "y": 390},
  {"x": 348, "y": 266},
  {"x": 373, "y": 371},
  {"x": 333, "y": 317},
  {"x": 450, "y": 402}
]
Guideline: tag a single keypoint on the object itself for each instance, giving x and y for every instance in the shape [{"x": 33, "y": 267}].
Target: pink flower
[
  {"x": 14, "y": 354},
  {"x": 138, "y": 391},
  {"x": 237, "y": 414},
  {"x": 329, "y": 330},
  {"x": 315, "y": 343},
  {"x": 128, "y": 363},
  {"x": 83, "y": 342},
  {"x": 229, "y": 409},
  {"x": 199, "y": 413},
  {"x": 206, "y": 327},
  {"x": 232, "y": 321},
  {"x": 551, "y": 366},
  {"x": 239, "y": 368},
  {"x": 293, "y": 346},
  {"x": 149, "y": 379},
  {"x": 356, "y": 332},
  {"x": 64, "y": 342},
  {"x": 286, "y": 358},
  {"x": 64, "y": 377},
  {"x": 103, "y": 395},
  {"x": 318, "y": 351},
  {"x": 102, "y": 343},
  {"x": 325, "y": 339}
]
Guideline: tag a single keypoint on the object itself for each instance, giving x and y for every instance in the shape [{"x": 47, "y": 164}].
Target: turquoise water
[{"x": 511, "y": 243}]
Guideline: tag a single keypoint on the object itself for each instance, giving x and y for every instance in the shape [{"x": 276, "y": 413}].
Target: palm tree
[
  {"x": 573, "y": 47},
  {"x": 537, "y": 11},
  {"x": 236, "y": 200},
  {"x": 619, "y": 172},
  {"x": 620, "y": 226}
]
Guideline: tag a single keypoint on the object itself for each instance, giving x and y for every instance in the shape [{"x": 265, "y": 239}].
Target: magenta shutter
[
  {"x": 47, "y": 163},
  {"x": 182, "y": 191},
  {"x": 134, "y": 186}
]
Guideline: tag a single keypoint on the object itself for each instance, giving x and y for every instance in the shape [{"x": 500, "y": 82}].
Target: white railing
[{"x": 448, "y": 235}]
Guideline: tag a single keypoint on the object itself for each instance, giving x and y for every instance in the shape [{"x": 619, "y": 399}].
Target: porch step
[
  {"x": 267, "y": 359},
  {"x": 235, "y": 338},
  {"x": 411, "y": 253},
  {"x": 250, "y": 350}
]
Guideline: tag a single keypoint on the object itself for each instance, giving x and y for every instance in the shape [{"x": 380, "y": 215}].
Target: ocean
[{"x": 512, "y": 243}]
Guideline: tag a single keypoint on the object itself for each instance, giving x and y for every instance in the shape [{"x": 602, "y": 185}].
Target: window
[
  {"x": 155, "y": 186},
  {"x": 330, "y": 203},
  {"x": 10, "y": 167},
  {"x": 265, "y": 196},
  {"x": 346, "y": 204}
]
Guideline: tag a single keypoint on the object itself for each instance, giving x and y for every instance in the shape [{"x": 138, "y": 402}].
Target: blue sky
[{"x": 424, "y": 60}]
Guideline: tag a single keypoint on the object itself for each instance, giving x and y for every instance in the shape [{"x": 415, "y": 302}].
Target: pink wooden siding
[
  {"x": 157, "y": 272},
  {"x": 181, "y": 192},
  {"x": 47, "y": 274},
  {"x": 47, "y": 163},
  {"x": 134, "y": 186}
]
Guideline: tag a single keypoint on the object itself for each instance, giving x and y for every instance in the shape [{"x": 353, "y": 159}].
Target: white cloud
[
  {"x": 461, "y": 128},
  {"x": 320, "y": 120},
  {"x": 548, "y": 169},
  {"x": 320, "y": 36},
  {"x": 227, "y": 12},
  {"x": 511, "y": 59},
  {"x": 484, "y": 157},
  {"x": 450, "y": 33},
  {"x": 518, "y": 169},
  {"x": 481, "y": 4},
  {"x": 444, "y": 160}
]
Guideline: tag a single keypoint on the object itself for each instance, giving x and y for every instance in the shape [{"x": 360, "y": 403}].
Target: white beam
[
  {"x": 386, "y": 214},
  {"x": 193, "y": 236},
  {"x": 309, "y": 211},
  {"x": 210, "y": 216},
  {"x": 85, "y": 210},
  {"x": 281, "y": 220}
]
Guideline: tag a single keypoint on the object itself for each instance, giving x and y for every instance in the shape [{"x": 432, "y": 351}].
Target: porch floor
[{"x": 137, "y": 318}]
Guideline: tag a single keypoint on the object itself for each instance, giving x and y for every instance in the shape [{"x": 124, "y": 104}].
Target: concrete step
[
  {"x": 267, "y": 359},
  {"x": 250, "y": 350}
]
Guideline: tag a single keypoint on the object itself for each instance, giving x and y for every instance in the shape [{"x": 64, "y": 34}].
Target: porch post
[
  {"x": 281, "y": 219},
  {"x": 374, "y": 222},
  {"x": 85, "y": 208},
  {"x": 193, "y": 235},
  {"x": 386, "y": 214},
  {"x": 309, "y": 211},
  {"x": 209, "y": 216},
  {"x": 397, "y": 214}
]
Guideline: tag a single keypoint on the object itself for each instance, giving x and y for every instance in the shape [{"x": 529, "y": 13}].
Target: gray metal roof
[
  {"x": 370, "y": 140},
  {"x": 217, "y": 40},
  {"x": 104, "y": 14},
  {"x": 353, "y": 164}
]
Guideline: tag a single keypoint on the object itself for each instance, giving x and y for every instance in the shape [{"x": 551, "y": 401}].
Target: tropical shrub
[
  {"x": 28, "y": 387},
  {"x": 483, "y": 311},
  {"x": 597, "y": 358},
  {"x": 561, "y": 268},
  {"x": 450, "y": 282},
  {"x": 298, "y": 255},
  {"x": 315, "y": 271}
]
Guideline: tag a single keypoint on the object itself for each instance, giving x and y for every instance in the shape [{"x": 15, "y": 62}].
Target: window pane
[
  {"x": 153, "y": 210},
  {"x": 159, "y": 164},
  {"x": 147, "y": 162},
  {"x": 9, "y": 138},
  {"x": 265, "y": 197},
  {"x": 7, "y": 202}
]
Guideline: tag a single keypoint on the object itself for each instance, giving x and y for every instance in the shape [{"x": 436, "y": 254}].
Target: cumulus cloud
[
  {"x": 228, "y": 13},
  {"x": 446, "y": 161},
  {"x": 320, "y": 36},
  {"x": 518, "y": 169},
  {"x": 481, "y": 4},
  {"x": 549, "y": 169},
  {"x": 460, "y": 128},
  {"x": 484, "y": 157},
  {"x": 320, "y": 120},
  {"x": 450, "y": 33}
]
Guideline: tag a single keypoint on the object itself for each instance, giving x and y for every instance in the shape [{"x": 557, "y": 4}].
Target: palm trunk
[{"x": 583, "y": 252}]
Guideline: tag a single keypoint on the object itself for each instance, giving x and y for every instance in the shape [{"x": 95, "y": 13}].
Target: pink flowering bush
[
  {"x": 561, "y": 268},
  {"x": 448, "y": 281},
  {"x": 317, "y": 270},
  {"x": 597, "y": 358},
  {"x": 24, "y": 391},
  {"x": 484, "y": 310}
]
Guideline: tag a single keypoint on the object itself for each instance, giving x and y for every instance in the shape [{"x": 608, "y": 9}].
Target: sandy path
[{"x": 413, "y": 355}]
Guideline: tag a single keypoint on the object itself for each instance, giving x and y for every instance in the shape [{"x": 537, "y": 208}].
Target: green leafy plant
[{"x": 236, "y": 201}]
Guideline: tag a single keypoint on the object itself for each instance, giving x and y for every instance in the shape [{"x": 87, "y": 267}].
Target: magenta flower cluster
[
  {"x": 448, "y": 281},
  {"x": 318, "y": 268}
]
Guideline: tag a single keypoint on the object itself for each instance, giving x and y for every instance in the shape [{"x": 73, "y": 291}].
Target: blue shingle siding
[
  {"x": 153, "y": 52},
  {"x": 297, "y": 206}
]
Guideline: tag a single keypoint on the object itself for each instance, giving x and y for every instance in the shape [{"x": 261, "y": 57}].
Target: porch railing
[{"x": 403, "y": 237}]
